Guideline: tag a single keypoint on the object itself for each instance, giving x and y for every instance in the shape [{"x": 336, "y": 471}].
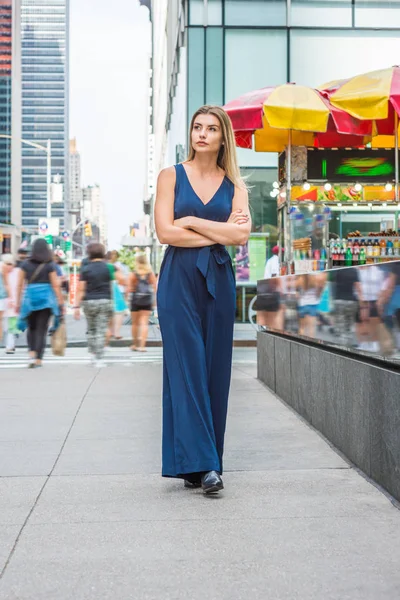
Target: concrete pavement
[{"x": 84, "y": 513}]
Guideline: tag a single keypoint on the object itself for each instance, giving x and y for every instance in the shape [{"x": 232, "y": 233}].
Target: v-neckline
[{"x": 197, "y": 195}]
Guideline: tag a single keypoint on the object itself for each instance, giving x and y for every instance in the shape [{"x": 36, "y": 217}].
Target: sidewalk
[
  {"x": 244, "y": 334},
  {"x": 85, "y": 515}
]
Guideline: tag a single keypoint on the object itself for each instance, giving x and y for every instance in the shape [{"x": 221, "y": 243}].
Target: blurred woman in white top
[
  {"x": 272, "y": 267},
  {"x": 10, "y": 314}
]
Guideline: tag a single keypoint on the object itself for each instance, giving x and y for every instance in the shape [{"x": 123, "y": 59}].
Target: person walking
[
  {"x": 143, "y": 286},
  {"x": 4, "y": 294},
  {"x": 10, "y": 314},
  {"x": 201, "y": 206},
  {"x": 42, "y": 298},
  {"x": 272, "y": 267},
  {"x": 95, "y": 296},
  {"x": 119, "y": 289}
]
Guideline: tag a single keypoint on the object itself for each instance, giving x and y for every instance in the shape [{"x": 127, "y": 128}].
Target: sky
[{"x": 109, "y": 78}]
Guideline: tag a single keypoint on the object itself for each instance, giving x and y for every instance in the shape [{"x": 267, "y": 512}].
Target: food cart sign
[{"x": 342, "y": 166}]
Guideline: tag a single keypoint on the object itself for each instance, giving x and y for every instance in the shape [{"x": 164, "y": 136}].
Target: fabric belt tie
[{"x": 207, "y": 254}]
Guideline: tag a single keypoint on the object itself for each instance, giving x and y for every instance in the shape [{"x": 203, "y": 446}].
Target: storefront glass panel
[
  {"x": 255, "y": 12},
  {"x": 314, "y": 13}
]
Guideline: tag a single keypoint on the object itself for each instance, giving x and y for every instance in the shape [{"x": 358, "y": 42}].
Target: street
[{"x": 84, "y": 513}]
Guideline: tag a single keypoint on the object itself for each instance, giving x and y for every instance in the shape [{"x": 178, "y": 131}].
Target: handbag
[
  {"x": 143, "y": 295},
  {"x": 59, "y": 339}
]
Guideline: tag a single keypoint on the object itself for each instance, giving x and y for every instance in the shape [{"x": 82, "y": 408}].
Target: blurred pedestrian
[
  {"x": 10, "y": 313},
  {"x": 272, "y": 267},
  {"x": 119, "y": 291},
  {"x": 4, "y": 294},
  {"x": 143, "y": 286},
  {"x": 22, "y": 255},
  {"x": 42, "y": 298},
  {"x": 95, "y": 296}
]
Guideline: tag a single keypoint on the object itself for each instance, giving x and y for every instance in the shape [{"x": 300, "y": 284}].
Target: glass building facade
[
  {"x": 44, "y": 56},
  {"x": 5, "y": 108}
]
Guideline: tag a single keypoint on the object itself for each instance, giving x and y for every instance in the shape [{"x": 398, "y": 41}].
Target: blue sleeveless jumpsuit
[{"x": 196, "y": 302}]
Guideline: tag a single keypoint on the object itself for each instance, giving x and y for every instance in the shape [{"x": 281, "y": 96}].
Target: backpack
[{"x": 143, "y": 295}]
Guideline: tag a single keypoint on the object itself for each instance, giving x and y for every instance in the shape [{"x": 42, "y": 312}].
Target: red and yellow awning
[
  {"x": 271, "y": 114},
  {"x": 373, "y": 96}
]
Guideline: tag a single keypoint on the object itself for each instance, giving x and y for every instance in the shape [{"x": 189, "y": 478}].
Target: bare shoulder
[{"x": 167, "y": 176}]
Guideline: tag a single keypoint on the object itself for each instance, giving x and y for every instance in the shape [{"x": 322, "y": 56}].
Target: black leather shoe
[
  {"x": 212, "y": 483},
  {"x": 192, "y": 485}
]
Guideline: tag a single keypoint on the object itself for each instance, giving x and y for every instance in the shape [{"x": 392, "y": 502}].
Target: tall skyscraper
[
  {"x": 5, "y": 108},
  {"x": 94, "y": 210},
  {"x": 75, "y": 188},
  {"x": 44, "y": 39}
]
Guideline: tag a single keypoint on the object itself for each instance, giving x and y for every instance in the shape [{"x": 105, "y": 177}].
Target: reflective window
[
  {"x": 195, "y": 69},
  {"x": 214, "y": 66},
  {"x": 255, "y": 12},
  {"x": 198, "y": 16},
  {"x": 336, "y": 54},
  {"x": 196, "y": 12},
  {"x": 377, "y": 13},
  {"x": 317, "y": 13},
  {"x": 214, "y": 12},
  {"x": 246, "y": 69}
]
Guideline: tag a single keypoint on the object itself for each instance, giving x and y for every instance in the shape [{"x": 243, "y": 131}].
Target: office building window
[
  {"x": 196, "y": 77},
  {"x": 340, "y": 54},
  {"x": 377, "y": 13},
  {"x": 314, "y": 13},
  {"x": 196, "y": 12},
  {"x": 214, "y": 12},
  {"x": 209, "y": 14},
  {"x": 255, "y": 12},
  {"x": 254, "y": 58},
  {"x": 214, "y": 65}
]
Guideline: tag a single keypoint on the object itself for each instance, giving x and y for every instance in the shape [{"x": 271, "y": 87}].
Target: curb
[{"x": 150, "y": 344}]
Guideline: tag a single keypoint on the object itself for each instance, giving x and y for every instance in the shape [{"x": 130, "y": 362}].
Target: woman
[
  {"x": 143, "y": 286},
  {"x": 95, "y": 295},
  {"x": 10, "y": 314},
  {"x": 371, "y": 279},
  {"x": 41, "y": 300},
  {"x": 309, "y": 289},
  {"x": 201, "y": 206},
  {"x": 119, "y": 303},
  {"x": 3, "y": 295}
]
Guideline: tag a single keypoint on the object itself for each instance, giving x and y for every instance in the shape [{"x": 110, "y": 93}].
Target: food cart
[{"x": 342, "y": 208}]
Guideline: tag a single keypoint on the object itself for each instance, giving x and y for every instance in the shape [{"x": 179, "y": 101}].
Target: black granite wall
[{"x": 354, "y": 404}]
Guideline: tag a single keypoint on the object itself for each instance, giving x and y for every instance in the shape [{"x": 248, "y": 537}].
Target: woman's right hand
[
  {"x": 77, "y": 314},
  {"x": 238, "y": 217}
]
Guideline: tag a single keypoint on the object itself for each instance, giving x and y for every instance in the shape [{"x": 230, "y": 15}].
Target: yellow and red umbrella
[
  {"x": 292, "y": 114},
  {"x": 370, "y": 96},
  {"x": 373, "y": 96}
]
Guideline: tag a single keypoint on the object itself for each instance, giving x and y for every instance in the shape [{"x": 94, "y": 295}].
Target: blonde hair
[
  {"x": 142, "y": 265},
  {"x": 227, "y": 159}
]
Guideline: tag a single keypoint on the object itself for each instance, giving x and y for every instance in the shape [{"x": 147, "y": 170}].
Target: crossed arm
[{"x": 193, "y": 232}]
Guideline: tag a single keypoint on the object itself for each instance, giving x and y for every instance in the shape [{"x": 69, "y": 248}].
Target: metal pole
[
  {"x": 48, "y": 212},
  {"x": 396, "y": 156},
  {"x": 287, "y": 241}
]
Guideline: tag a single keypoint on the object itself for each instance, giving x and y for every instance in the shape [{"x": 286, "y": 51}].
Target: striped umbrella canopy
[
  {"x": 295, "y": 114},
  {"x": 370, "y": 96}
]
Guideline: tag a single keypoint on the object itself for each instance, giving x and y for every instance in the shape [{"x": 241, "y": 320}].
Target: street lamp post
[{"x": 46, "y": 149}]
